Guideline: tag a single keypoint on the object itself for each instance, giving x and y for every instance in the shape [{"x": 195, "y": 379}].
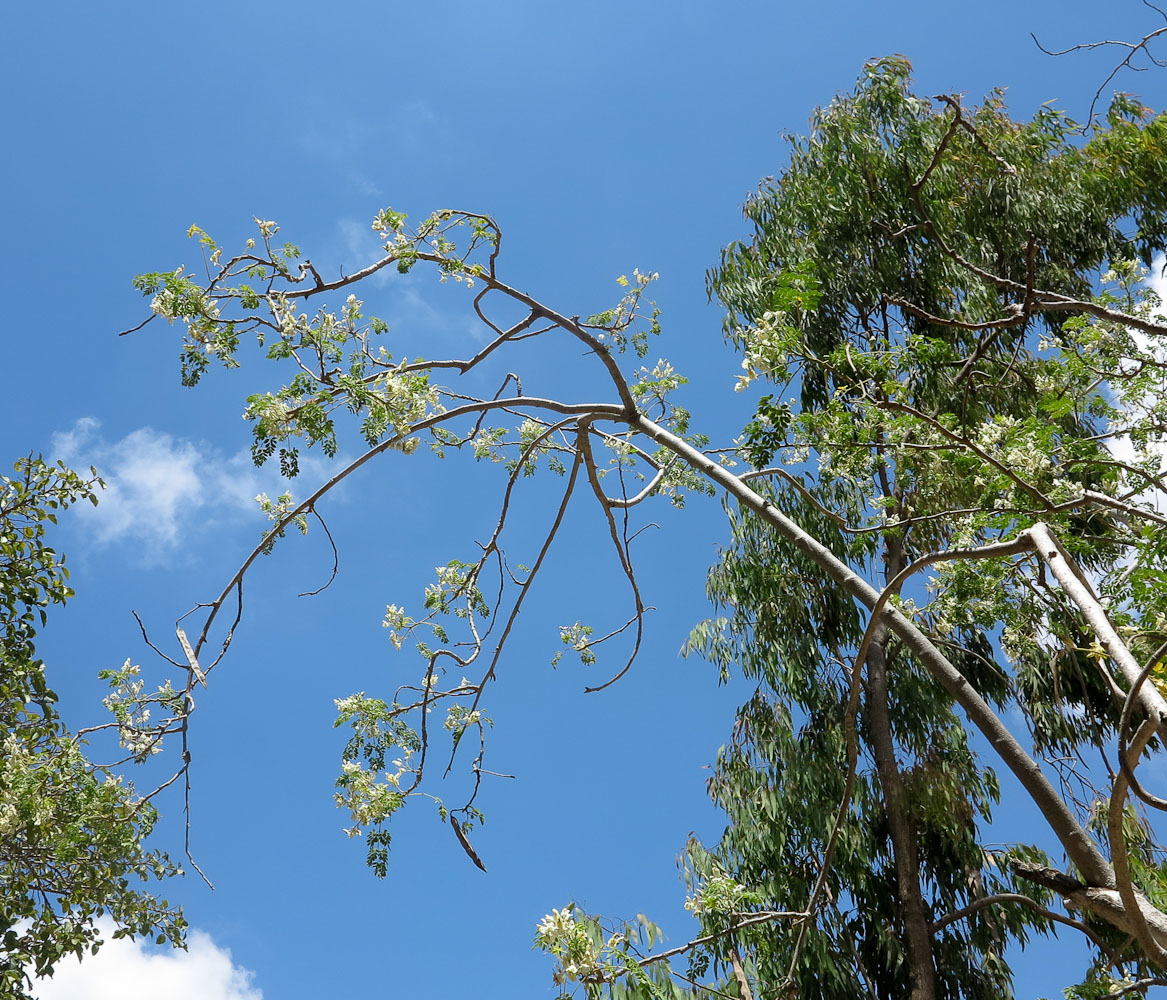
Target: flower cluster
[
  {"x": 572, "y": 943},
  {"x": 129, "y": 704},
  {"x": 719, "y": 894},
  {"x": 577, "y": 637}
]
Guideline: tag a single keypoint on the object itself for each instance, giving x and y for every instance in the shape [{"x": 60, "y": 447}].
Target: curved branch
[
  {"x": 335, "y": 559},
  {"x": 1134, "y": 47},
  {"x": 604, "y": 410},
  {"x": 569, "y": 324},
  {"x": 585, "y": 450},
  {"x": 1018, "y": 545},
  {"x": 1016, "y": 897},
  {"x": 1128, "y": 704},
  {"x": 1153, "y": 944}
]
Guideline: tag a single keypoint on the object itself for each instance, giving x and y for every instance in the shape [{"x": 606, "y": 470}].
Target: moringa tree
[
  {"x": 947, "y": 557},
  {"x": 72, "y": 831}
]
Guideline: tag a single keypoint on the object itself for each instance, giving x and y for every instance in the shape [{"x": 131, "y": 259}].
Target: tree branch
[
  {"x": 1078, "y": 844},
  {"x": 1016, "y": 897},
  {"x": 1073, "y": 583}
]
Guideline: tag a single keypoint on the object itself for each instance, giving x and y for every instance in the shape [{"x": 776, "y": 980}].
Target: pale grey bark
[{"x": 1082, "y": 594}]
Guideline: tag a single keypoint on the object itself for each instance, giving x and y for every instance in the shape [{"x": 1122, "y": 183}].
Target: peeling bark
[{"x": 1104, "y": 903}]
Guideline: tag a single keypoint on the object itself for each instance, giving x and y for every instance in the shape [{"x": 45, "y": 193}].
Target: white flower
[{"x": 557, "y": 923}]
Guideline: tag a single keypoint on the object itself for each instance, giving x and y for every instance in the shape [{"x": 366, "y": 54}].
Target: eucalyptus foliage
[
  {"x": 903, "y": 298},
  {"x": 964, "y": 373}
]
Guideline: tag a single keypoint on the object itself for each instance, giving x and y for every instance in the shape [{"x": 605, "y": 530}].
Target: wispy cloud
[
  {"x": 162, "y": 492},
  {"x": 358, "y": 149},
  {"x": 411, "y": 296},
  {"x": 132, "y": 970},
  {"x": 355, "y": 246}
]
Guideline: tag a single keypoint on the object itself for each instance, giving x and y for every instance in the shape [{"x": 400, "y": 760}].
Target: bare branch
[
  {"x": 1106, "y": 903},
  {"x": 1078, "y": 590},
  {"x": 748, "y": 920},
  {"x": 1015, "y": 897},
  {"x": 135, "y": 329},
  {"x": 1134, "y": 48},
  {"x": 1128, "y": 705},
  {"x": 335, "y": 559},
  {"x": 585, "y": 449},
  {"x": 1153, "y": 942},
  {"x": 606, "y": 410}
]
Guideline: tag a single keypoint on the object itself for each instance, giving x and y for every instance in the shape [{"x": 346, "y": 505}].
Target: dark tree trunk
[{"x": 917, "y": 932}]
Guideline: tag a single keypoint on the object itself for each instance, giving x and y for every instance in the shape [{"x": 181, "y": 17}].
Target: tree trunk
[{"x": 917, "y": 931}]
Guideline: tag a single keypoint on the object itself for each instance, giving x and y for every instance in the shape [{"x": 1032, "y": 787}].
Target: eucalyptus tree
[
  {"x": 955, "y": 303},
  {"x": 916, "y": 279}
]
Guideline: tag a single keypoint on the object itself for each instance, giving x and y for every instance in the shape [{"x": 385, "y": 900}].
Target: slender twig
[
  {"x": 526, "y": 588},
  {"x": 1134, "y": 47},
  {"x": 135, "y": 329},
  {"x": 585, "y": 450},
  {"x": 335, "y": 559},
  {"x": 608, "y": 410},
  {"x": 738, "y": 924},
  {"x": 146, "y": 640}
]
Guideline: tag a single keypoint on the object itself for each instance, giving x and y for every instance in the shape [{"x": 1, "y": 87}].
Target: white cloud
[
  {"x": 1122, "y": 449},
  {"x": 162, "y": 491},
  {"x": 1157, "y": 281},
  {"x": 360, "y": 242},
  {"x": 134, "y": 970}
]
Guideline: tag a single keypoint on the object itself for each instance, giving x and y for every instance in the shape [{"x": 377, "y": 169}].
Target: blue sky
[{"x": 602, "y": 137}]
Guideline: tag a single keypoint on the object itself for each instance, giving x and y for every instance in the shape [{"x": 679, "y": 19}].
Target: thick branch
[
  {"x": 1079, "y": 845},
  {"x": 1070, "y": 578},
  {"x": 1104, "y": 903},
  {"x": 1132, "y": 902}
]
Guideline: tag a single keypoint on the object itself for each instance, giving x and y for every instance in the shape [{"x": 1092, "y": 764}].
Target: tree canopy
[
  {"x": 947, "y": 553},
  {"x": 919, "y": 277},
  {"x": 72, "y": 831}
]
